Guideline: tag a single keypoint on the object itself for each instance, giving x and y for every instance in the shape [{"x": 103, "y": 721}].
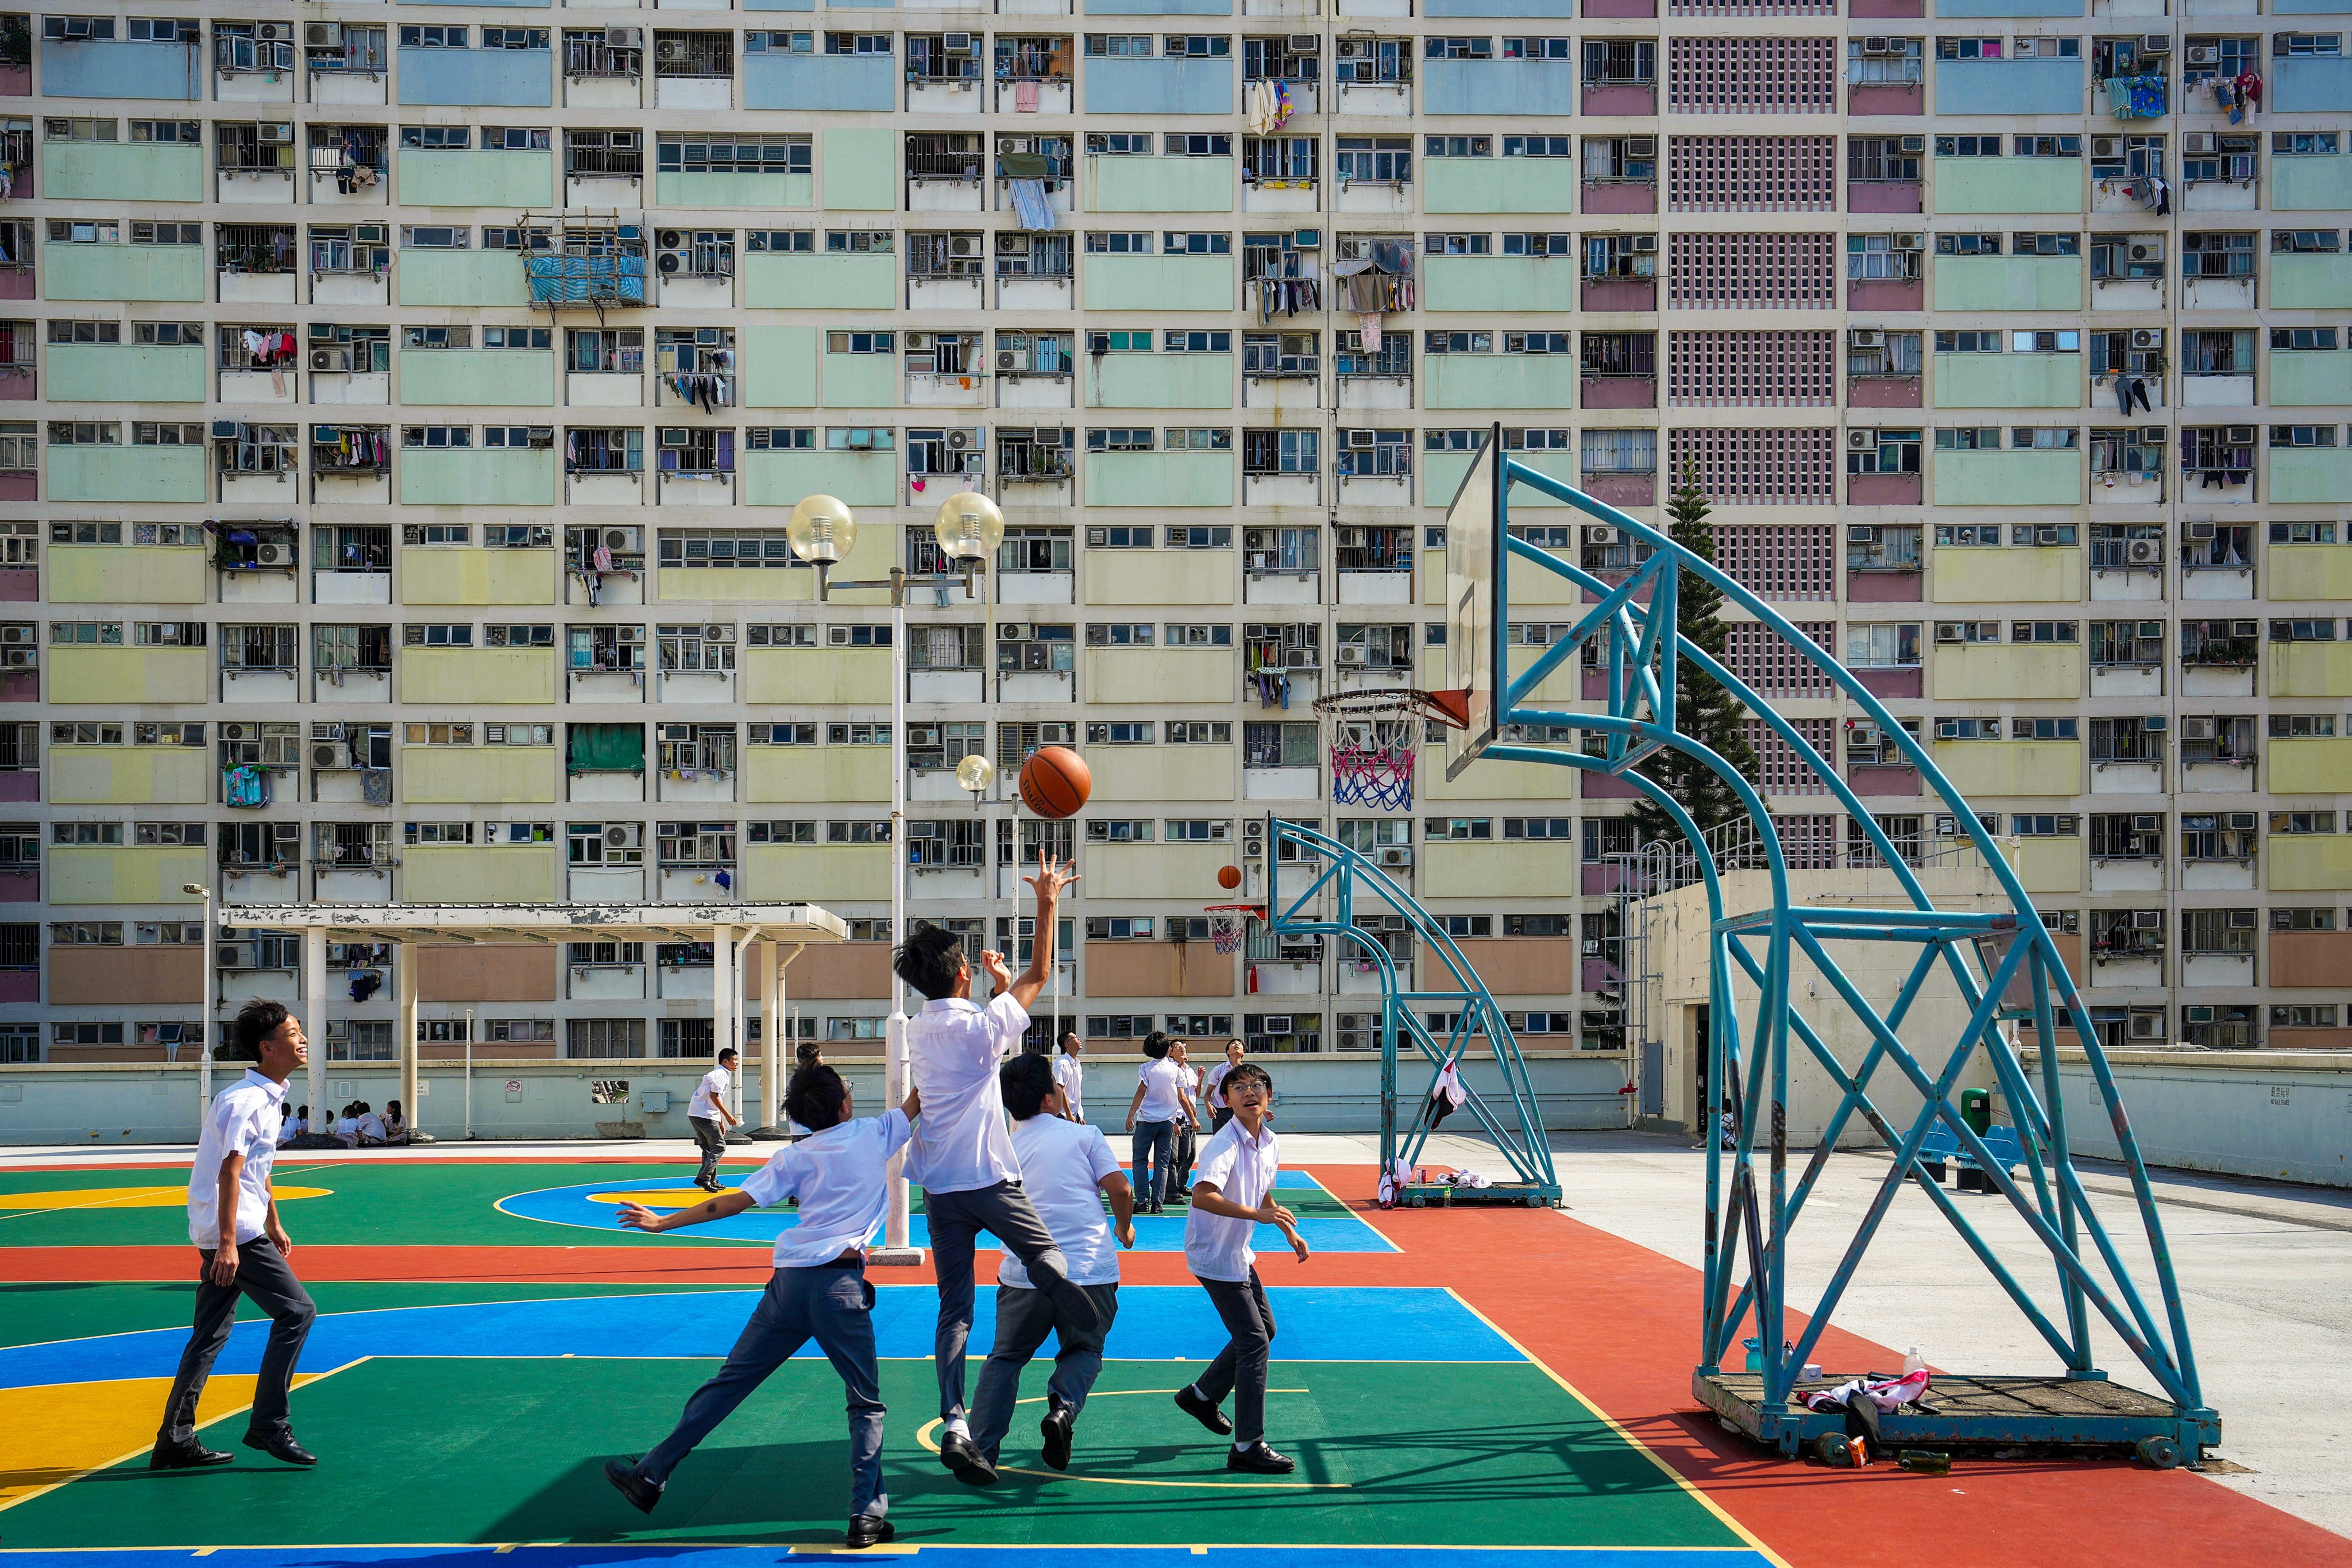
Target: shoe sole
[
  {"x": 156, "y": 1464},
  {"x": 1261, "y": 1470},
  {"x": 966, "y": 1471},
  {"x": 1057, "y": 1443},
  {"x": 625, "y": 1491},
  {"x": 882, "y": 1538},
  {"x": 264, "y": 1449}
]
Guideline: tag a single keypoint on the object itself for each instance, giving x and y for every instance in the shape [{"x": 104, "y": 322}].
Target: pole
[
  {"x": 204, "y": 1045},
  {"x": 771, "y": 1035},
  {"x": 897, "y": 1221},
  {"x": 314, "y": 994},
  {"x": 722, "y": 993},
  {"x": 404, "y": 959},
  {"x": 469, "y": 1075}
]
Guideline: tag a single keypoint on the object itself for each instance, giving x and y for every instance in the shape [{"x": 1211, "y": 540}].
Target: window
[
  {"x": 1885, "y": 645},
  {"x": 1967, "y": 146},
  {"x": 1373, "y": 160},
  {"x": 746, "y": 153},
  {"x": 1881, "y": 258},
  {"x": 1458, "y": 829},
  {"x": 598, "y": 1038},
  {"x": 1967, "y": 244},
  {"x": 1277, "y": 744}
]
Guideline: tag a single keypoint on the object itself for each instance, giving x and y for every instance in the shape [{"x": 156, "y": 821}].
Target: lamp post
[
  {"x": 967, "y": 526},
  {"x": 204, "y": 1044}
]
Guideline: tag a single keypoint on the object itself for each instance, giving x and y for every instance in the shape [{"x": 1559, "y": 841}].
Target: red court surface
[{"x": 1615, "y": 1321}]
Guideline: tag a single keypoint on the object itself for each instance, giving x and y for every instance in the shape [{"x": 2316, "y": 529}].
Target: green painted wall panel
[
  {"x": 819, "y": 282},
  {"x": 2008, "y": 381},
  {"x": 433, "y": 177},
  {"x": 861, "y": 381},
  {"x": 1160, "y": 381},
  {"x": 2321, "y": 475},
  {"x": 1178, "y": 185},
  {"x": 2008, "y": 184},
  {"x": 127, "y": 473},
  {"x": 481, "y": 476},
  {"x": 2007, "y": 478},
  {"x": 1501, "y": 380},
  {"x": 461, "y": 278},
  {"x": 860, "y": 168},
  {"x": 2305, "y": 378},
  {"x": 1505, "y": 283},
  {"x": 860, "y": 478},
  {"x": 2311, "y": 281},
  {"x": 121, "y": 171},
  {"x": 780, "y": 367},
  {"x": 135, "y": 273},
  {"x": 125, "y": 373},
  {"x": 1158, "y": 478},
  {"x": 1159, "y": 282},
  {"x": 1534, "y": 185},
  {"x": 465, "y": 378},
  {"x": 2007, "y": 282},
  {"x": 1441, "y": 476},
  {"x": 2311, "y": 183},
  {"x": 679, "y": 188}
]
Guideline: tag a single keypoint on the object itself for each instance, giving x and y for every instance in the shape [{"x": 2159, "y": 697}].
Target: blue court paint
[
  {"x": 571, "y": 1205},
  {"x": 1156, "y": 1323},
  {"x": 635, "y": 1557}
]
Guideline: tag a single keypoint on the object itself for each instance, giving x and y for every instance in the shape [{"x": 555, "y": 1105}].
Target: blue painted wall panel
[
  {"x": 2310, "y": 84},
  {"x": 1498, "y": 87},
  {"x": 821, "y": 81},
  {"x": 1558, "y": 10},
  {"x": 2310, "y": 7},
  {"x": 2008, "y": 86},
  {"x": 1156, "y": 7},
  {"x": 780, "y": 5},
  {"x": 490, "y": 78},
  {"x": 2008, "y": 7},
  {"x": 1117, "y": 86},
  {"x": 108, "y": 68}
]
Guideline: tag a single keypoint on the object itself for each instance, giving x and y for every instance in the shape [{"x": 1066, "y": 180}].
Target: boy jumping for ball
[
  {"x": 1233, "y": 1193},
  {"x": 961, "y": 1155},
  {"x": 818, "y": 1291}
]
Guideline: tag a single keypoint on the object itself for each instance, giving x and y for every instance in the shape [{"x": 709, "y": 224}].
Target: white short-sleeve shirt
[
  {"x": 1243, "y": 1169},
  {"x": 242, "y": 1120},
  {"x": 1062, "y": 1167},
  {"x": 838, "y": 1175},
  {"x": 371, "y": 1126},
  {"x": 954, "y": 1047},
  {"x": 1216, "y": 1083},
  {"x": 1161, "y": 1080},
  {"x": 711, "y": 1092},
  {"x": 1070, "y": 1077}
]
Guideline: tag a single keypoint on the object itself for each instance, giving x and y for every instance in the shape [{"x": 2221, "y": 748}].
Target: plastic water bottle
[{"x": 1914, "y": 1362}]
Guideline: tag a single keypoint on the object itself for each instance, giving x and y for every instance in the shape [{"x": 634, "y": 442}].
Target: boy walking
[
  {"x": 818, "y": 1291},
  {"x": 1070, "y": 1076},
  {"x": 1232, "y": 1196},
  {"x": 232, "y": 1220},
  {"x": 1067, "y": 1170},
  {"x": 710, "y": 1119},
  {"x": 1160, "y": 1101},
  {"x": 961, "y": 1155}
]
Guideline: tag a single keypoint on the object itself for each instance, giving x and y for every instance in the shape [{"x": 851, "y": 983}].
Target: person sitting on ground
[
  {"x": 347, "y": 1126},
  {"x": 371, "y": 1126},
  {"x": 396, "y": 1123}
]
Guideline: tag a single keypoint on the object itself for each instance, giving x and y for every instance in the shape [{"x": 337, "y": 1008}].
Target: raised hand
[{"x": 1051, "y": 878}]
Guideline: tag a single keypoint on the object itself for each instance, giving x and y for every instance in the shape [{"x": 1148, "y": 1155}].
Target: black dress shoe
[
  {"x": 970, "y": 1466},
  {"x": 1259, "y": 1459},
  {"x": 191, "y": 1455},
  {"x": 1201, "y": 1410},
  {"x": 280, "y": 1444},
  {"x": 867, "y": 1530},
  {"x": 626, "y": 1480},
  {"x": 1056, "y": 1430}
]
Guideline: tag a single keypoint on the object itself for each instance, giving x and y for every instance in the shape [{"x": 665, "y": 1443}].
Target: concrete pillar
[
  {"x": 404, "y": 962},
  {"x": 314, "y": 1017},
  {"x": 722, "y": 989},
  {"x": 771, "y": 1034}
]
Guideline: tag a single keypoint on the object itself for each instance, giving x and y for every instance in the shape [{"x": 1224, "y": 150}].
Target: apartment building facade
[{"x": 404, "y": 405}]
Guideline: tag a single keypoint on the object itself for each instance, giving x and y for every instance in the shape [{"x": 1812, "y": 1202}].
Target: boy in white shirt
[
  {"x": 1231, "y": 1198},
  {"x": 961, "y": 1155},
  {"x": 1219, "y": 1111},
  {"x": 818, "y": 1291},
  {"x": 1070, "y": 1076},
  {"x": 707, "y": 1114},
  {"x": 1067, "y": 1170},
  {"x": 1160, "y": 1101}
]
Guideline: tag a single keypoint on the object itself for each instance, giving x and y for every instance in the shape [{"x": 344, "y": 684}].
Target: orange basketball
[
  {"x": 1055, "y": 782},
  {"x": 1229, "y": 878}
]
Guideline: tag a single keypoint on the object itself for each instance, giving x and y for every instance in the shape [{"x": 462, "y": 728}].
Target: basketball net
[
  {"x": 1372, "y": 738},
  {"x": 1229, "y": 925}
]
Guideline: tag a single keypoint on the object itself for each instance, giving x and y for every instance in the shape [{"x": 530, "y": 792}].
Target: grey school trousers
[
  {"x": 1240, "y": 1368},
  {"x": 262, "y": 1273},
  {"x": 1023, "y": 1318},
  {"x": 833, "y": 1305},
  {"x": 956, "y": 1220}
]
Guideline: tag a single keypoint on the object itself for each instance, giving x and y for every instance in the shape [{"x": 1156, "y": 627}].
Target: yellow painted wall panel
[
  {"x": 822, "y": 874},
  {"x": 2050, "y": 864},
  {"x": 832, "y": 676},
  {"x": 123, "y": 874},
  {"x": 1544, "y": 869},
  {"x": 130, "y": 775},
  {"x": 2319, "y": 766},
  {"x": 1159, "y": 576},
  {"x": 115, "y": 675},
  {"x": 481, "y": 874},
  {"x": 1562, "y": 685},
  {"x": 2048, "y": 575},
  {"x": 736, "y": 585},
  {"x": 2311, "y": 670},
  {"x": 2002, "y": 670},
  {"x": 1162, "y": 773},
  {"x": 2311, "y": 863},
  {"x": 1161, "y": 674},
  {"x": 479, "y": 775},
  {"x": 477, "y": 576},
  {"x": 1186, "y": 872},
  {"x": 797, "y": 773},
  {"x": 127, "y": 574},
  {"x": 476, "y": 675},
  {"x": 1483, "y": 780},
  {"x": 1991, "y": 768}
]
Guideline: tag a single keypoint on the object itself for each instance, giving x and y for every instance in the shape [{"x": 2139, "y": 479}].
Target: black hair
[
  {"x": 1155, "y": 1044},
  {"x": 391, "y": 1105},
  {"x": 727, "y": 1055},
  {"x": 1244, "y": 1073},
  {"x": 1026, "y": 1080},
  {"x": 1067, "y": 1035},
  {"x": 931, "y": 961},
  {"x": 254, "y": 1022},
  {"x": 807, "y": 1054},
  {"x": 816, "y": 1097}
]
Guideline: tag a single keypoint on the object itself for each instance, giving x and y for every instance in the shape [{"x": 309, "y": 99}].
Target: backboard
[{"x": 1473, "y": 628}]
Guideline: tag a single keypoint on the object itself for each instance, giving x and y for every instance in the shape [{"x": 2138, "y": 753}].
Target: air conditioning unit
[
  {"x": 1641, "y": 146},
  {"x": 370, "y": 234},
  {"x": 861, "y": 440},
  {"x": 623, "y": 539},
  {"x": 918, "y": 339},
  {"x": 1949, "y": 631},
  {"x": 227, "y": 430},
  {"x": 2197, "y": 729},
  {"x": 1948, "y": 728},
  {"x": 273, "y": 555},
  {"x": 2144, "y": 551},
  {"x": 1866, "y": 338},
  {"x": 273, "y": 135},
  {"x": 2239, "y": 821},
  {"x": 17, "y": 657},
  {"x": 2146, "y": 250},
  {"x": 2201, "y": 531},
  {"x": 1011, "y": 359},
  {"x": 2148, "y": 1026},
  {"x": 269, "y": 33},
  {"x": 2243, "y": 628},
  {"x": 322, "y": 34},
  {"x": 1862, "y": 534},
  {"x": 956, "y": 43},
  {"x": 1011, "y": 631},
  {"x": 236, "y": 731},
  {"x": 330, "y": 359},
  {"x": 1908, "y": 241},
  {"x": 1361, "y": 440},
  {"x": 1396, "y": 858},
  {"x": 1862, "y": 440},
  {"x": 1878, "y": 46},
  {"x": 1646, "y": 245},
  {"x": 963, "y": 244},
  {"x": 1350, "y": 658},
  {"x": 2204, "y": 55},
  {"x": 622, "y": 835},
  {"x": 1599, "y": 533},
  {"x": 2147, "y": 336},
  {"x": 1276, "y": 1022},
  {"x": 1915, "y": 145},
  {"x": 714, "y": 631},
  {"x": 2197, "y": 1015},
  {"x": 327, "y": 730},
  {"x": 962, "y": 440},
  {"x": 2147, "y": 919},
  {"x": 669, "y": 49},
  {"x": 2197, "y": 141},
  {"x": 2156, "y": 723},
  {"x": 624, "y": 37},
  {"x": 2156, "y": 43},
  {"x": 1306, "y": 43},
  {"x": 541, "y": 436},
  {"x": 2148, "y": 822},
  {"x": 2239, "y": 435},
  {"x": 2107, "y": 146},
  {"x": 326, "y": 757},
  {"x": 236, "y": 955},
  {"x": 1012, "y": 243}
]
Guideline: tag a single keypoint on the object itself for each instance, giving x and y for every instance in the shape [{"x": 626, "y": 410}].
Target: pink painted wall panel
[
  {"x": 19, "y": 585},
  {"x": 1618, "y": 392},
  {"x": 1621, "y": 294},
  {"x": 1884, "y": 197},
  {"x": 1629, "y": 99},
  {"x": 1883, "y": 392},
  {"x": 1890, "y": 682},
  {"x": 1623, "y": 490},
  {"x": 17, "y": 81},
  {"x": 1602, "y": 786},
  {"x": 20, "y": 685},
  {"x": 22, "y": 785},
  {"x": 1886, "y": 10},
  {"x": 1882, "y": 588},
  {"x": 1886, "y": 98},
  {"x": 1883, "y": 490},
  {"x": 1907, "y": 294},
  {"x": 1621, "y": 9},
  {"x": 20, "y": 486},
  {"x": 20, "y": 888},
  {"x": 20, "y": 985},
  {"x": 1882, "y": 782},
  {"x": 1602, "y": 196},
  {"x": 17, "y": 283}
]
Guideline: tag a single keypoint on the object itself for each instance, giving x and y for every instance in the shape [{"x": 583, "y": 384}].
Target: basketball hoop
[
  {"x": 1372, "y": 738},
  {"x": 1229, "y": 924}
]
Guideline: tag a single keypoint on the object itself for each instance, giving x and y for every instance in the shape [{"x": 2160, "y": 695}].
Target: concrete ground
[{"x": 2265, "y": 1271}]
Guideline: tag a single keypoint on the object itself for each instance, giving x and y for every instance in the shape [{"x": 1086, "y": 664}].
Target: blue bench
[{"x": 1942, "y": 1145}]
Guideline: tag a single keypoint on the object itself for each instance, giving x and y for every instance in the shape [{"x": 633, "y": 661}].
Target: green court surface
[{"x": 425, "y": 1450}]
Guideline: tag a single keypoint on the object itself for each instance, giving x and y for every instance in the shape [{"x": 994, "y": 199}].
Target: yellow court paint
[
  {"x": 659, "y": 1197},
  {"x": 127, "y": 1198},
  {"x": 58, "y": 1432}
]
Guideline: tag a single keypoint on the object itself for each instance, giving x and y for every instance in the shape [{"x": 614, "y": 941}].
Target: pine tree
[{"x": 1704, "y": 711}]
